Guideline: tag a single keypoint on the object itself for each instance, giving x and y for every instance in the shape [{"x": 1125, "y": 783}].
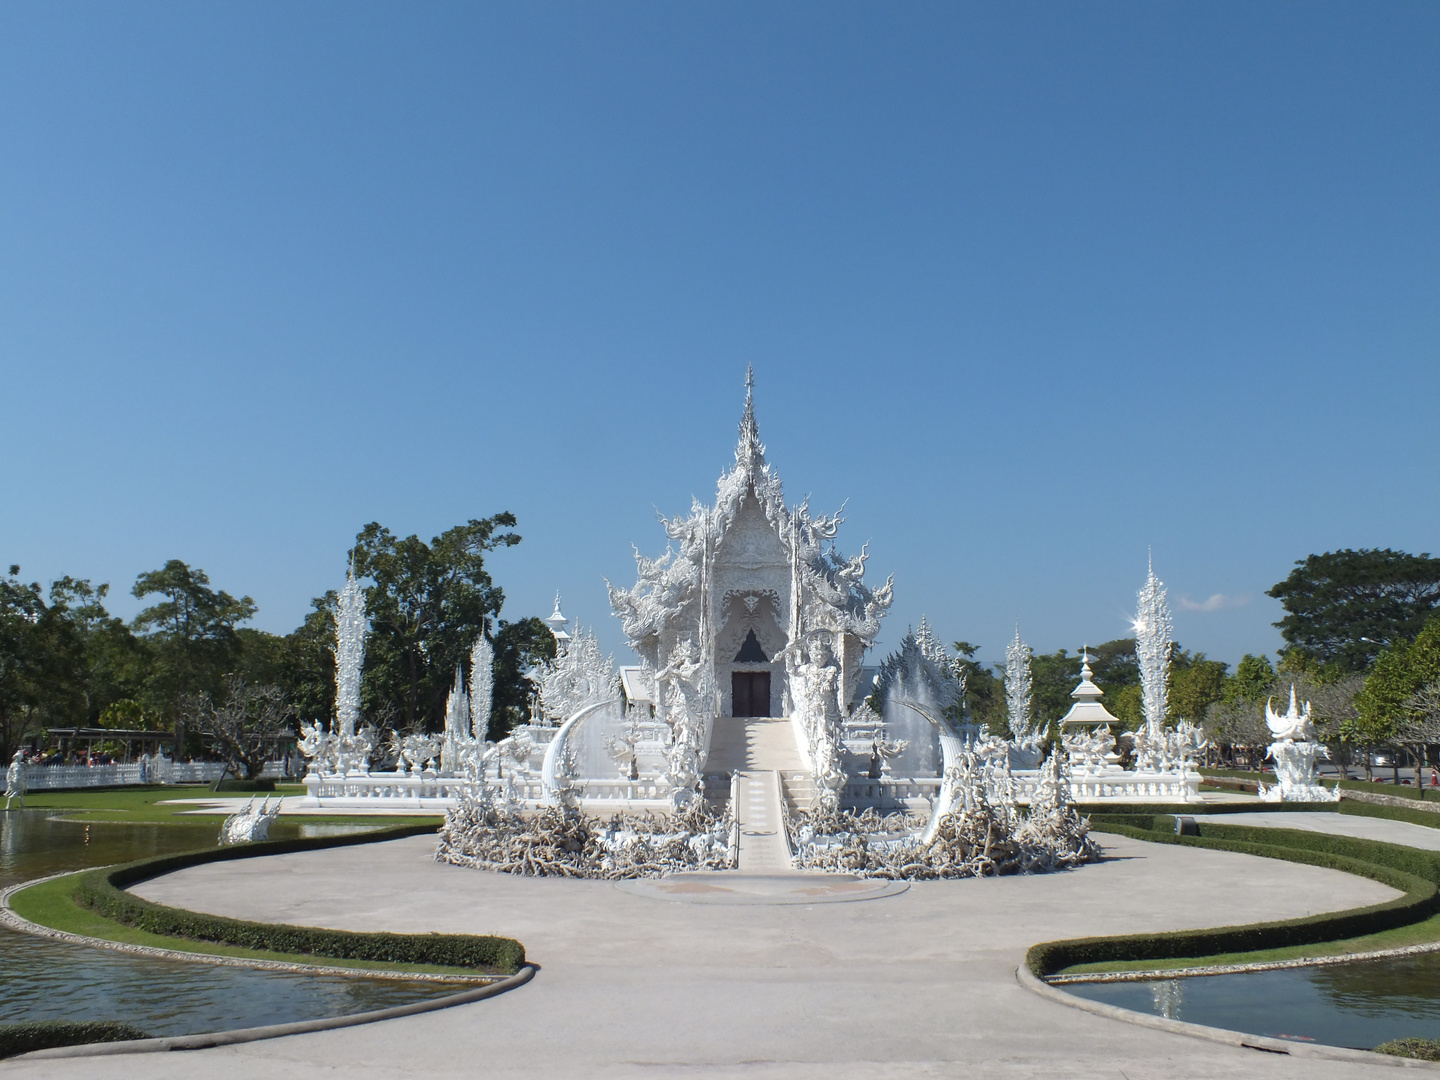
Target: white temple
[
  {"x": 753, "y": 613},
  {"x": 751, "y": 691}
]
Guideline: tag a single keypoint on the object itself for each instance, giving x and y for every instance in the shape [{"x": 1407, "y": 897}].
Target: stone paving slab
[{"x": 917, "y": 984}]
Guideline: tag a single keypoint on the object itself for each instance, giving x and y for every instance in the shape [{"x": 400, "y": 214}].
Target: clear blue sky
[{"x": 1035, "y": 287}]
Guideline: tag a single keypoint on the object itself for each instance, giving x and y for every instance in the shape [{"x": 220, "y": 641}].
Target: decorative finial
[{"x": 749, "y": 451}]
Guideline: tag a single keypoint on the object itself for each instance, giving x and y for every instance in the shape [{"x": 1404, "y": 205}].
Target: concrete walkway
[
  {"x": 763, "y": 847},
  {"x": 1365, "y": 828},
  {"x": 920, "y": 983}
]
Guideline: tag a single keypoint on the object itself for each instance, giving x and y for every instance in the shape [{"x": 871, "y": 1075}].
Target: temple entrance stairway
[{"x": 761, "y": 752}]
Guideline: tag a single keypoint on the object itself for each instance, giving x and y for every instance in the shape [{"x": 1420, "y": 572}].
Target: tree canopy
[
  {"x": 427, "y": 604},
  {"x": 1343, "y": 608},
  {"x": 65, "y": 661},
  {"x": 1385, "y": 704}
]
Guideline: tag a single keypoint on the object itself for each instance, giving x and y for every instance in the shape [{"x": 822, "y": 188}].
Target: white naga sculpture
[
  {"x": 250, "y": 823},
  {"x": 1296, "y": 754},
  {"x": 15, "y": 781}
]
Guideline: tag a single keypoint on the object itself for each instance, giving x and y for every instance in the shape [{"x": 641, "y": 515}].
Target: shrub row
[
  {"x": 1240, "y": 774},
  {"x": 103, "y": 891},
  {"x": 1103, "y": 811},
  {"x": 44, "y": 1034},
  {"x": 1429, "y": 818},
  {"x": 1413, "y": 872},
  {"x": 1131, "y": 813},
  {"x": 245, "y": 785}
]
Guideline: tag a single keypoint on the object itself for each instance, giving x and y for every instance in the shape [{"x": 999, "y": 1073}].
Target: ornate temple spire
[
  {"x": 749, "y": 451},
  {"x": 557, "y": 623}
]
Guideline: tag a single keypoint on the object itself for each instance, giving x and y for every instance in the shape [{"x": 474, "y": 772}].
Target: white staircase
[{"x": 760, "y": 752}]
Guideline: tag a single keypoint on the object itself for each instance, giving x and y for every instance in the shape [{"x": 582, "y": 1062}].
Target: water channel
[
  {"x": 1359, "y": 1005},
  {"x": 46, "y": 980}
]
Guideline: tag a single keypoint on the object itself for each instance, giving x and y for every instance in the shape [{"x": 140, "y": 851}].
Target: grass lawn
[
  {"x": 155, "y": 805},
  {"x": 51, "y": 904}
]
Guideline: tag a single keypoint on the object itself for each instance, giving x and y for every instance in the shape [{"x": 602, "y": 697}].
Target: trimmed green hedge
[
  {"x": 45, "y": 1034},
  {"x": 1395, "y": 791},
  {"x": 1131, "y": 813},
  {"x": 1412, "y": 871},
  {"x": 1098, "y": 811},
  {"x": 244, "y": 785},
  {"x": 103, "y": 891},
  {"x": 1429, "y": 818},
  {"x": 1240, "y": 774}
]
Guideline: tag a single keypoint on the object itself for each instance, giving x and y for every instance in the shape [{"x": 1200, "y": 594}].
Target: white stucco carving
[{"x": 1296, "y": 755}]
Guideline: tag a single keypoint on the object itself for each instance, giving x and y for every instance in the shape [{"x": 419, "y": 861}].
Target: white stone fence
[
  {"x": 918, "y": 794},
  {"x": 159, "y": 771},
  {"x": 892, "y": 793},
  {"x": 428, "y": 791},
  {"x": 1117, "y": 785}
]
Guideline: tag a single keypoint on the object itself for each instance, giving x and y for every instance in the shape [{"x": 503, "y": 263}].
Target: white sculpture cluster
[
  {"x": 341, "y": 749},
  {"x": 976, "y": 830},
  {"x": 1296, "y": 755},
  {"x": 487, "y": 832},
  {"x": 1164, "y": 769},
  {"x": 580, "y": 675}
]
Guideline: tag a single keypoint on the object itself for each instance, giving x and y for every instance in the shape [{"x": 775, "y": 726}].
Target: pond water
[
  {"x": 1359, "y": 1005},
  {"x": 46, "y": 980}
]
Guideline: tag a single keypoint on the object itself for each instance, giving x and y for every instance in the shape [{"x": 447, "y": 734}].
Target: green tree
[
  {"x": 1115, "y": 664},
  {"x": 1344, "y": 607},
  {"x": 520, "y": 647},
  {"x": 426, "y": 607},
  {"x": 1195, "y": 684},
  {"x": 1053, "y": 676},
  {"x": 22, "y": 660},
  {"x": 44, "y": 676},
  {"x": 984, "y": 699},
  {"x": 192, "y": 637},
  {"x": 1387, "y": 703},
  {"x": 244, "y": 724},
  {"x": 1251, "y": 681},
  {"x": 308, "y": 668}
]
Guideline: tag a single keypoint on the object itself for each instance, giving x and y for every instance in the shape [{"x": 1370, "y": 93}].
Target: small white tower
[
  {"x": 1091, "y": 721},
  {"x": 557, "y": 623}
]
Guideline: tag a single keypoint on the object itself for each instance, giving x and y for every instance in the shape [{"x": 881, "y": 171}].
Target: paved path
[
  {"x": 1366, "y": 828},
  {"x": 916, "y": 984},
  {"x": 763, "y": 847}
]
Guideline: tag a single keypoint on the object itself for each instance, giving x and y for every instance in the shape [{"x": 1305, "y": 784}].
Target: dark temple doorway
[{"x": 750, "y": 693}]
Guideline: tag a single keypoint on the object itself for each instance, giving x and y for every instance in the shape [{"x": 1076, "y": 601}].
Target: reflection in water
[
  {"x": 46, "y": 980},
  {"x": 1359, "y": 1004}
]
